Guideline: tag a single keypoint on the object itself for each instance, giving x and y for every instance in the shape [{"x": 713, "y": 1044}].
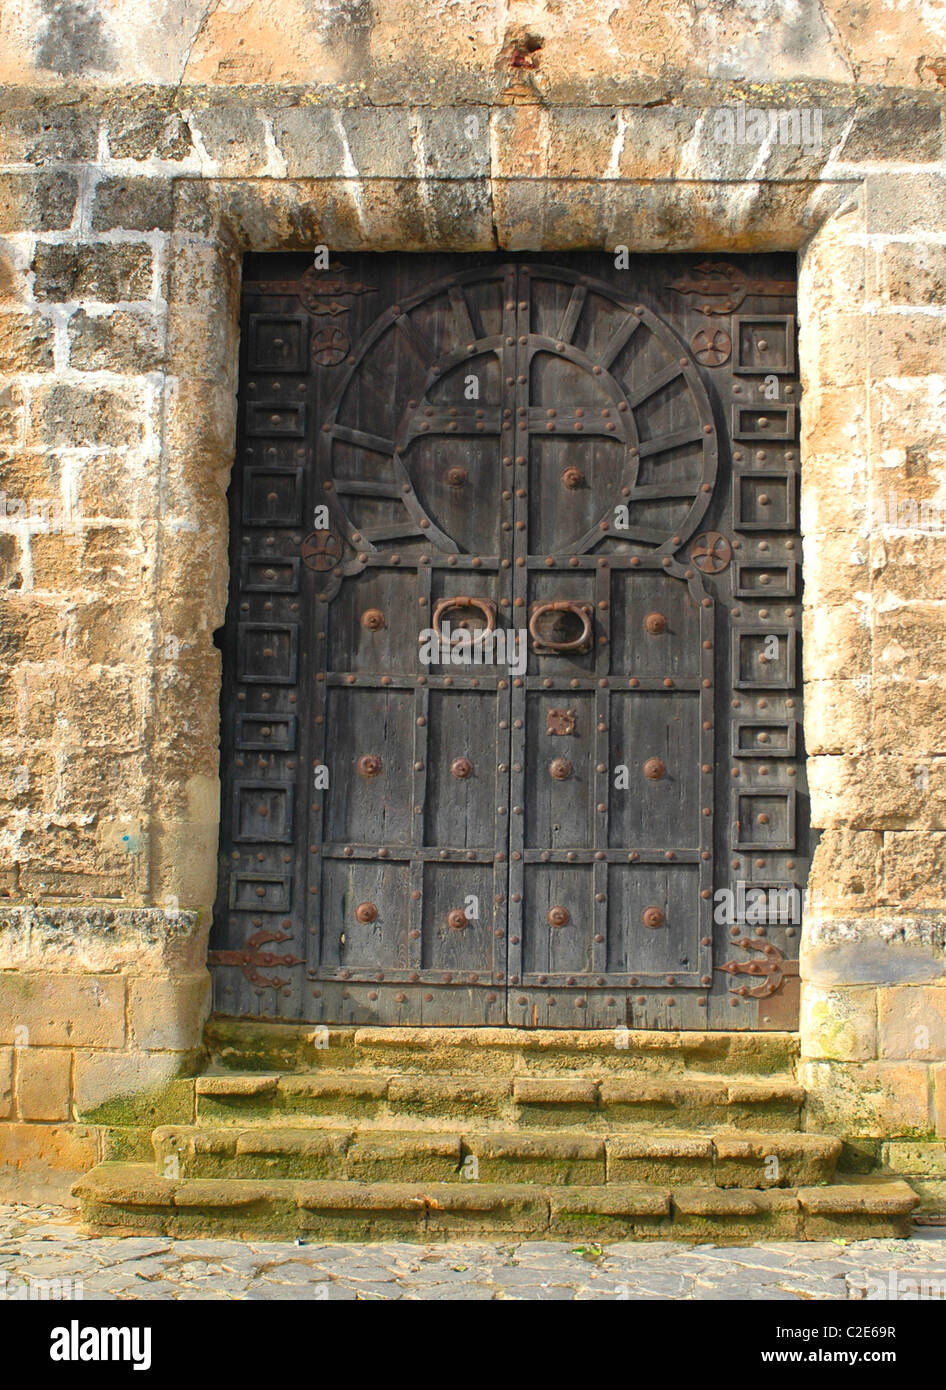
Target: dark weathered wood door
[{"x": 512, "y": 693}]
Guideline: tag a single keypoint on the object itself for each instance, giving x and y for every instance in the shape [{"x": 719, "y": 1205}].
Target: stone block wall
[
  {"x": 113, "y": 574},
  {"x": 873, "y": 488},
  {"x": 124, "y": 213},
  {"x": 101, "y": 1009}
]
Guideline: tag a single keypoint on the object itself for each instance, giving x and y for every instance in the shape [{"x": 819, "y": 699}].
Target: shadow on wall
[{"x": 74, "y": 39}]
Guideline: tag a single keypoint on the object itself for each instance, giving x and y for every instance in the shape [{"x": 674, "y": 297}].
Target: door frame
[
  {"x": 216, "y": 220},
  {"x": 674, "y": 986}
]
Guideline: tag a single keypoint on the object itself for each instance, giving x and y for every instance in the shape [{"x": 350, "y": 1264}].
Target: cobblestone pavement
[{"x": 42, "y": 1245}]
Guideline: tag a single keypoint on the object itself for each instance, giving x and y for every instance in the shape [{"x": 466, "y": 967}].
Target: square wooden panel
[
  {"x": 269, "y": 653},
  {"x": 764, "y": 501},
  {"x": 458, "y": 888},
  {"x": 562, "y": 891},
  {"x": 764, "y": 738},
  {"x": 261, "y": 892},
  {"x": 765, "y": 421},
  {"x": 763, "y": 344},
  {"x": 275, "y": 420},
  {"x": 262, "y": 812},
  {"x": 758, "y": 663},
  {"x": 669, "y": 896},
  {"x": 276, "y": 733},
  {"x": 278, "y": 343},
  {"x": 560, "y": 809},
  {"x": 270, "y": 574},
  {"x": 272, "y": 496},
  {"x": 375, "y": 937},
  {"x": 461, "y": 769},
  {"x": 763, "y": 820},
  {"x": 768, "y": 579},
  {"x": 649, "y": 812}
]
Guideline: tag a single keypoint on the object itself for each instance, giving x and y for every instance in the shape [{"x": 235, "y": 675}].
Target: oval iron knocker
[
  {"x": 472, "y": 604},
  {"x": 457, "y": 919},
  {"x": 561, "y": 626}
]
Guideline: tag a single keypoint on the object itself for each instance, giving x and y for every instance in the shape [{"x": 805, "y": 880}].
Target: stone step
[
  {"x": 506, "y": 1101},
  {"x": 598, "y": 1103},
  {"x": 726, "y": 1159},
  {"x": 932, "y": 1195},
  {"x": 271, "y": 1047},
  {"x": 129, "y": 1198},
  {"x": 921, "y": 1163}
]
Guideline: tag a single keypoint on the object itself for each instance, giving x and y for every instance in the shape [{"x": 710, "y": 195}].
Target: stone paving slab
[{"x": 43, "y": 1244}]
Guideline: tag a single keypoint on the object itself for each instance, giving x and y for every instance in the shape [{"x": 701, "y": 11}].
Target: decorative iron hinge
[
  {"x": 718, "y": 288},
  {"x": 774, "y": 970},
  {"x": 251, "y": 957},
  {"x": 314, "y": 288}
]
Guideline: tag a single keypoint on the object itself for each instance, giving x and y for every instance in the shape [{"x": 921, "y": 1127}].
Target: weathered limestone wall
[
  {"x": 873, "y": 488},
  {"x": 97, "y": 1006},
  {"x": 395, "y": 53},
  {"x": 124, "y": 210}
]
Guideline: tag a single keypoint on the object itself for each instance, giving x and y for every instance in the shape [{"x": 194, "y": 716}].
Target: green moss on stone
[
  {"x": 859, "y": 1155},
  {"x": 131, "y": 1144},
  {"x": 240, "y": 1046},
  {"x": 170, "y": 1104}
]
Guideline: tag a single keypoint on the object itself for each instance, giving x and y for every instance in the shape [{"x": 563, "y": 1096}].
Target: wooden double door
[{"x": 511, "y": 661}]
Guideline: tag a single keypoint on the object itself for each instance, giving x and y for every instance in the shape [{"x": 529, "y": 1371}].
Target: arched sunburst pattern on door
[{"x": 635, "y": 444}]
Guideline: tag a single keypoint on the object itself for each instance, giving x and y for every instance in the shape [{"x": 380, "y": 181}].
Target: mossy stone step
[
  {"x": 306, "y": 1152},
  {"x": 726, "y": 1159},
  {"x": 598, "y": 1103},
  {"x": 130, "y": 1198},
  {"x": 244, "y": 1046}
]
